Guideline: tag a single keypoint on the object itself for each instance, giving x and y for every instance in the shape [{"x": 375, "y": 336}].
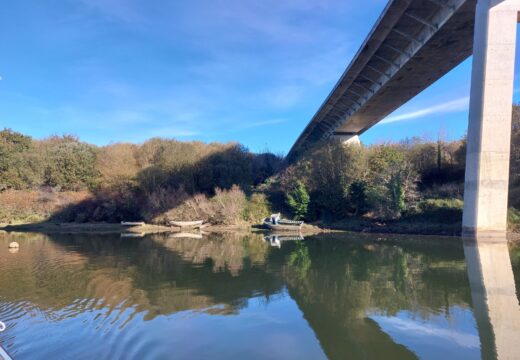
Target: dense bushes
[
  {"x": 224, "y": 183},
  {"x": 226, "y": 207},
  {"x": 298, "y": 200},
  {"x": 438, "y": 210},
  {"x": 18, "y": 167},
  {"x": 415, "y": 179},
  {"x": 129, "y": 181},
  {"x": 352, "y": 180},
  {"x": 72, "y": 165},
  {"x": 63, "y": 163}
]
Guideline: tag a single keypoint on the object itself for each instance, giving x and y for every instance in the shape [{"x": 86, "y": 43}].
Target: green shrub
[
  {"x": 71, "y": 165},
  {"x": 298, "y": 200},
  {"x": 300, "y": 259},
  {"x": 20, "y": 162},
  {"x": 513, "y": 219},
  {"x": 440, "y": 210},
  {"x": 257, "y": 208},
  {"x": 358, "y": 197},
  {"x": 392, "y": 180}
]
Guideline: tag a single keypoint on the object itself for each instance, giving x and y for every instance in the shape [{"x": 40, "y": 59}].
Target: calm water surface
[{"x": 239, "y": 297}]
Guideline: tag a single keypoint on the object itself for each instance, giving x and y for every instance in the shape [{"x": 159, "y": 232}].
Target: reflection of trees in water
[
  {"x": 226, "y": 251},
  {"x": 334, "y": 282},
  {"x": 154, "y": 275},
  {"x": 349, "y": 280},
  {"x": 41, "y": 271},
  {"x": 300, "y": 260},
  {"x": 515, "y": 261}
]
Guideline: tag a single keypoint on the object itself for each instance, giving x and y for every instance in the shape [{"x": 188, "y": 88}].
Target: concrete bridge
[{"x": 413, "y": 44}]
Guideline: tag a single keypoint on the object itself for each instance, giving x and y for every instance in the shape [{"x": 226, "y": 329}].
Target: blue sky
[{"x": 209, "y": 70}]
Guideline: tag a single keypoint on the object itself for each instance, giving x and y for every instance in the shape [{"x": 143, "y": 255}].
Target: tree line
[
  {"x": 225, "y": 183},
  {"x": 135, "y": 181},
  {"x": 414, "y": 179}
]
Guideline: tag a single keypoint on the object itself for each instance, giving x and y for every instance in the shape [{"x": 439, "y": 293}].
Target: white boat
[
  {"x": 275, "y": 223},
  {"x": 132, "y": 223},
  {"x": 188, "y": 224}
]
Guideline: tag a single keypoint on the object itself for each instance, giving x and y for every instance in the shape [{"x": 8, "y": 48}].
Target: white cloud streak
[
  {"x": 262, "y": 123},
  {"x": 457, "y": 105},
  {"x": 428, "y": 331}
]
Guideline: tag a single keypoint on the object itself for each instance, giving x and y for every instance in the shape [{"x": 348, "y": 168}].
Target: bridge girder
[{"x": 413, "y": 44}]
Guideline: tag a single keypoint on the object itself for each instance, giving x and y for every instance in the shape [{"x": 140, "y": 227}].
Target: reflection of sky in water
[
  {"x": 261, "y": 330},
  {"x": 449, "y": 336},
  {"x": 274, "y": 330}
]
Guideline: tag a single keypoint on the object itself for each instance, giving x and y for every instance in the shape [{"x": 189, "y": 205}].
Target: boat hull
[
  {"x": 282, "y": 227},
  {"x": 132, "y": 223},
  {"x": 184, "y": 224}
]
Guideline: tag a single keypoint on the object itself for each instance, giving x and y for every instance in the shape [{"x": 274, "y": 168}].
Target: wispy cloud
[
  {"x": 285, "y": 96},
  {"x": 262, "y": 123},
  {"x": 130, "y": 69},
  {"x": 171, "y": 132},
  {"x": 457, "y": 105}
]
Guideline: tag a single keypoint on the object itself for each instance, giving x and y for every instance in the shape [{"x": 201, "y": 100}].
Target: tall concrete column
[{"x": 489, "y": 130}]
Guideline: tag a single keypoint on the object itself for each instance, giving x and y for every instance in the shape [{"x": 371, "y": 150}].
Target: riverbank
[
  {"x": 95, "y": 228},
  {"x": 107, "y": 228},
  {"x": 346, "y": 226},
  {"x": 396, "y": 227}
]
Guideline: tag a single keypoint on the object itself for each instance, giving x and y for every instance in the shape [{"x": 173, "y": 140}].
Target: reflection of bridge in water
[
  {"x": 495, "y": 300},
  {"x": 413, "y": 44},
  {"x": 345, "y": 288}
]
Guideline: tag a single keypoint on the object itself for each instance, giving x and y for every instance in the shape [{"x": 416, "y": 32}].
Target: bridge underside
[{"x": 413, "y": 44}]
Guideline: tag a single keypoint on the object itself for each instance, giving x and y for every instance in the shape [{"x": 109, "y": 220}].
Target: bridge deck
[{"x": 413, "y": 44}]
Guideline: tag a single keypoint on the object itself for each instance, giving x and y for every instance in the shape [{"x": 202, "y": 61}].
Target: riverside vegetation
[{"x": 412, "y": 186}]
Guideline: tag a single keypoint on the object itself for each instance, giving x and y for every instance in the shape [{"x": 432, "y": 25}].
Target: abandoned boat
[
  {"x": 274, "y": 222},
  {"x": 132, "y": 223},
  {"x": 187, "y": 224}
]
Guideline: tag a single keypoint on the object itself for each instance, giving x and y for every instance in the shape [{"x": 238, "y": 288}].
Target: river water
[{"x": 233, "y": 296}]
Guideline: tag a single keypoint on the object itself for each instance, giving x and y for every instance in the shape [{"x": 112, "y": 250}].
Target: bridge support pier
[
  {"x": 489, "y": 129},
  {"x": 348, "y": 139}
]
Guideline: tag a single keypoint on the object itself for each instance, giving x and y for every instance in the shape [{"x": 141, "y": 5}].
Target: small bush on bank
[
  {"x": 298, "y": 200},
  {"x": 226, "y": 207},
  {"x": 257, "y": 208},
  {"x": 513, "y": 217},
  {"x": 438, "y": 210}
]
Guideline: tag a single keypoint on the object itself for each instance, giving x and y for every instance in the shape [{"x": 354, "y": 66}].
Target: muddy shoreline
[
  {"x": 109, "y": 228},
  {"x": 308, "y": 229}
]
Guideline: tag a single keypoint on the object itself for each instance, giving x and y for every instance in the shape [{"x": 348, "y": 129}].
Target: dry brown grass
[
  {"x": 17, "y": 206},
  {"x": 226, "y": 207}
]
